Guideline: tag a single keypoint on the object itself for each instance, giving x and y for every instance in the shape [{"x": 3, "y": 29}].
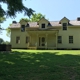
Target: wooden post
[
  {"x": 56, "y": 38},
  {"x": 46, "y": 40},
  {"x": 37, "y": 41}
]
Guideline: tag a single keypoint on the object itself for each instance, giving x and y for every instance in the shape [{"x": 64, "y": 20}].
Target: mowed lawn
[{"x": 40, "y": 65}]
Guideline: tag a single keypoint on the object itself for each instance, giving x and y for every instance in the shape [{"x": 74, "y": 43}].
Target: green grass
[{"x": 40, "y": 65}]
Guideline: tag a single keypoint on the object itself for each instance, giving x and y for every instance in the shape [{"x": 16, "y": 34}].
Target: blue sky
[{"x": 53, "y": 10}]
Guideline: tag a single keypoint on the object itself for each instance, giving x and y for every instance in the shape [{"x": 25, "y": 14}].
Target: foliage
[
  {"x": 24, "y": 19},
  {"x": 13, "y": 7},
  {"x": 36, "y": 17},
  {"x": 8, "y": 32},
  {"x": 2, "y": 19},
  {"x": 6, "y": 42},
  {"x": 1, "y": 40}
]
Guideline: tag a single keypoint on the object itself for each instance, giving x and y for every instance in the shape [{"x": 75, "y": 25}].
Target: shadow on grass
[{"x": 39, "y": 66}]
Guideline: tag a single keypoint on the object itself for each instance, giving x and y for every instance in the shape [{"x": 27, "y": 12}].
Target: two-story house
[{"x": 46, "y": 34}]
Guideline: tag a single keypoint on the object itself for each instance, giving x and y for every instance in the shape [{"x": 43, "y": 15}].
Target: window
[
  {"x": 27, "y": 39},
  {"x": 18, "y": 40},
  {"x": 59, "y": 39},
  {"x": 64, "y": 26},
  {"x": 22, "y": 28},
  {"x": 70, "y": 39},
  {"x": 43, "y": 25}
]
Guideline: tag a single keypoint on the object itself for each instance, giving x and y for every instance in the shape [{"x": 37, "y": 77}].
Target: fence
[{"x": 5, "y": 47}]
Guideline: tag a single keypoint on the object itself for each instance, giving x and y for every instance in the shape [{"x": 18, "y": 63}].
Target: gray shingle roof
[
  {"x": 75, "y": 22},
  {"x": 13, "y": 25},
  {"x": 53, "y": 23},
  {"x": 33, "y": 24}
]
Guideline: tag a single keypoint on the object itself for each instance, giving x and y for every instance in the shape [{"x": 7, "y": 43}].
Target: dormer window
[
  {"x": 64, "y": 26},
  {"x": 22, "y": 28},
  {"x": 43, "y": 25}
]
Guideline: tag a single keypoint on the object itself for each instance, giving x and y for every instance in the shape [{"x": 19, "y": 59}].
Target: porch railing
[
  {"x": 32, "y": 46},
  {"x": 35, "y": 46}
]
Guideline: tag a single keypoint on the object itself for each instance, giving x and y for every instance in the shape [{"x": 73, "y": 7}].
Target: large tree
[
  {"x": 14, "y": 6},
  {"x": 34, "y": 18}
]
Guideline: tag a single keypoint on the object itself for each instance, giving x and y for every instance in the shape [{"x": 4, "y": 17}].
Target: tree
[
  {"x": 25, "y": 19},
  {"x": 1, "y": 40},
  {"x": 14, "y": 6},
  {"x": 2, "y": 19},
  {"x": 5, "y": 42},
  {"x": 8, "y": 32},
  {"x": 34, "y": 18}
]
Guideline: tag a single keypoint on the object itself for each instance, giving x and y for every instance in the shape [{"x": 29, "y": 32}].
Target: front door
[{"x": 42, "y": 41}]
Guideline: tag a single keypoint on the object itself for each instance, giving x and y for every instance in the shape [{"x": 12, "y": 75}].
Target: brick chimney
[{"x": 78, "y": 18}]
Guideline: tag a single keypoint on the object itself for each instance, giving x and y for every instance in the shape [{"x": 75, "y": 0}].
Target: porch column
[
  {"x": 37, "y": 40},
  {"x": 56, "y": 38},
  {"x": 46, "y": 40}
]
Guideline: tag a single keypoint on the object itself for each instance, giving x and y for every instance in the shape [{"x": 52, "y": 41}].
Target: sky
[{"x": 54, "y": 10}]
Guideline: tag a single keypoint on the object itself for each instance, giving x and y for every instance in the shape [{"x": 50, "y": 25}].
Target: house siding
[
  {"x": 22, "y": 35},
  {"x": 65, "y": 38}
]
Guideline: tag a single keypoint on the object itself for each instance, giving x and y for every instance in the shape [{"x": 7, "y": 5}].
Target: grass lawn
[{"x": 40, "y": 65}]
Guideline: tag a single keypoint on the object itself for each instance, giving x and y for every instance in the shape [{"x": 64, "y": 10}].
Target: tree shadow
[{"x": 39, "y": 66}]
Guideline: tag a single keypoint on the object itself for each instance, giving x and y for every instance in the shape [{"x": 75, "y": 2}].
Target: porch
[{"x": 42, "y": 40}]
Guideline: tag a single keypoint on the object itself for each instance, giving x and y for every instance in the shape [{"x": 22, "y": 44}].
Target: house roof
[
  {"x": 53, "y": 24},
  {"x": 33, "y": 24},
  {"x": 15, "y": 25},
  {"x": 63, "y": 19},
  {"x": 75, "y": 23}
]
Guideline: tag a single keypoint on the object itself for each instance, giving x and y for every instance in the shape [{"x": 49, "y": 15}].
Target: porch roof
[{"x": 37, "y": 29}]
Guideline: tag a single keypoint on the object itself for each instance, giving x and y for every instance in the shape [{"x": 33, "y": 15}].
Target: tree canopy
[
  {"x": 25, "y": 19},
  {"x": 2, "y": 19},
  {"x": 1, "y": 40},
  {"x": 8, "y": 32},
  {"x": 34, "y": 18},
  {"x": 14, "y": 6},
  {"x": 4, "y": 42}
]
